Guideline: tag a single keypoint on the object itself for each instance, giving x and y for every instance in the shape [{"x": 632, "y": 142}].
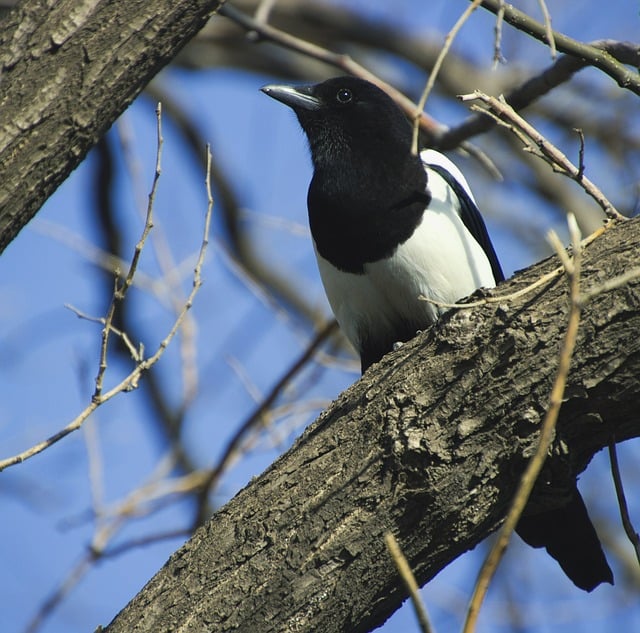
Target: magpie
[{"x": 388, "y": 226}]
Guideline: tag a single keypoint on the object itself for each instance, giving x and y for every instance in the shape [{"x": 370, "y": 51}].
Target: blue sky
[{"x": 244, "y": 341}]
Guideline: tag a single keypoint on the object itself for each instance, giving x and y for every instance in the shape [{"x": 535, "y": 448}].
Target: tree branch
[
  {"x": 593, "y": 56},
  {"x": 428, "y": 445},
  {"x": 68, "y": 71},
  {"x": 561, "y": 71}
]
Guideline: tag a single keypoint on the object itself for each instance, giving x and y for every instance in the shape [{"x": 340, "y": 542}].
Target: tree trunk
[
  {"x": 68, "y": 70},
  {"x": 429, "y": 444}
]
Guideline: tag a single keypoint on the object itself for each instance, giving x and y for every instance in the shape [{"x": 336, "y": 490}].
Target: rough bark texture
[
  {"x": 68, "y": 69},
  {"x": 428, "y": 444}
]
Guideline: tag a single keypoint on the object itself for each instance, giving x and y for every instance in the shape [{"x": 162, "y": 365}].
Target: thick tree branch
[
  {"x": 429, "y": 445},
  {"x": 68, "y": 70}
]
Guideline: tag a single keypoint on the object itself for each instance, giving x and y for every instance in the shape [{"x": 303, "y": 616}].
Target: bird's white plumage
[
  {"x": 431, "y": 157},
  {"x": 441, "y": 260}
]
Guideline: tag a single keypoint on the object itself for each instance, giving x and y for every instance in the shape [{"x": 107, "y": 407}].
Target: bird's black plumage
[{"x": 388, "y": 226}]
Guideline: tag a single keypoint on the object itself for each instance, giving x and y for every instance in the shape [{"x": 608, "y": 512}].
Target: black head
[
  {"x": 368, "y": 191},
  {"x": 346, "y": 117}
]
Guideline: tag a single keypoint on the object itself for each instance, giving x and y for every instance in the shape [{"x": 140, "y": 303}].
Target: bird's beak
[{"x": 296, "y": 97}]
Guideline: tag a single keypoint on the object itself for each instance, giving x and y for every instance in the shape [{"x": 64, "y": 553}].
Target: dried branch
[
  {"x": 348, "y": 65},
  {"x": 630, "y": 531},
  {"x": 171, "y": 280},
  {"x": 120, "y": 289},
  {"x": 448, "y": 41},
  {"x": 497, "y": 36},
  {"x": 548, "y": 31},
  {"x": 505, "y": 115},
  {"x": 593, "y": 56},
  {"x": 256, "y": 417},
  {"x": 341, "y": 61},
  {"x": 561, "y": 71},
  {"x": 409, "y": 581},
  {"x": 131, "y": 381},
  {"x": 530, "y": 475}
]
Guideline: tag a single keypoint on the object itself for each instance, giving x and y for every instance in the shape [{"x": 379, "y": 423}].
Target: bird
[{"x": 390, "y": 225}]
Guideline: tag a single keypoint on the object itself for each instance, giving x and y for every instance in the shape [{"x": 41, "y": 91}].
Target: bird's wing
[{"x": 469, "y": 213}]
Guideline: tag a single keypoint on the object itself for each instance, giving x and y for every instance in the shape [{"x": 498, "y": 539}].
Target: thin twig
[
  {"x": 136, "y": 354},
  {"x": 630, "y": 531},
  {"x": 560, "y": 72},
  {"x": 258, "y": 414},
  {"x": 611, "y": 284},
  {"x": 497, "y": 37},
  {"x": 547, "y": 277},
  {"x": 623, "y": 76},
  {"x": 121, "y": 288},
  {"x": 131, "y": 381},
  {"x": 536, "y": 462},
  {"x": 536, "y": 143},
  {"x": 409, "y": 582},
  {"x": 348, "y": 65},
  {"x": 448, "y": 41},
  {"x": 170, "y": 281},
  {"x": 547, "y": 28},
  {"x": 580, "y": 134},
  {"x": 342, "y": 61}
]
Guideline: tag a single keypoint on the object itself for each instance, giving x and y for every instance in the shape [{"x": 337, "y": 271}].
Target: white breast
[{"x": 441, "y": 260}]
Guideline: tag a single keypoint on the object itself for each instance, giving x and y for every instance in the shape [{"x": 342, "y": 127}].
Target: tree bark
[
  {"x": 429, "y": 444},
  {"x": 68, "y": 69}
]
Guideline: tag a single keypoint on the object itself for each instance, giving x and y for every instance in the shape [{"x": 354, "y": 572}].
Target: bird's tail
[{"x": 569, "y": 536}]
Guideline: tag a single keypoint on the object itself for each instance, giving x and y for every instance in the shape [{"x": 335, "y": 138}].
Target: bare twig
[
  {"x": 561, "y": 71},
  {"x": 580, "y": 134},
  {"x": 136, "y": 354},
  {"x": 121, "y": 288},
  {"x": 448, "y": 41},
  {"x": 409, "y": 582},
  {"x": 623, "y": 76},
  {"x": 170, "y": 281},
  {"x": 348, "y": 65},
  {"x": 337, "y": 60},
  {"x": 572, "y": 268},
  {"x": 630, "y": 531},
  {"x": 550, "y": 276},
  {"x": 536, "y": 143},
  {"x": 547, "y": 28},
  {"x": 611, "y": 284},
  {"x": 497, "y": 36},
  {"x": 131, "y": 381},
  {"x": 258, "y": 414}
]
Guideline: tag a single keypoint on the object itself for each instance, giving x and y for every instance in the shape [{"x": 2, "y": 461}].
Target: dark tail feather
[{"x": 569, "y": 536}]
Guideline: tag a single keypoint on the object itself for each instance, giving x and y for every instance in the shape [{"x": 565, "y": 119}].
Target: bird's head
[{"x": 346, "y": 118}]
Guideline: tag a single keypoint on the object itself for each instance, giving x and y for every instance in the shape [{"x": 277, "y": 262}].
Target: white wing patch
[
  {"x": 441, "y": 260},
  {"x": 431, "y": 157}
]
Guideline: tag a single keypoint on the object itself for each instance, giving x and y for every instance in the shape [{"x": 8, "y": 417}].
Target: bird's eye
[{"x": 344, "y": 95}]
